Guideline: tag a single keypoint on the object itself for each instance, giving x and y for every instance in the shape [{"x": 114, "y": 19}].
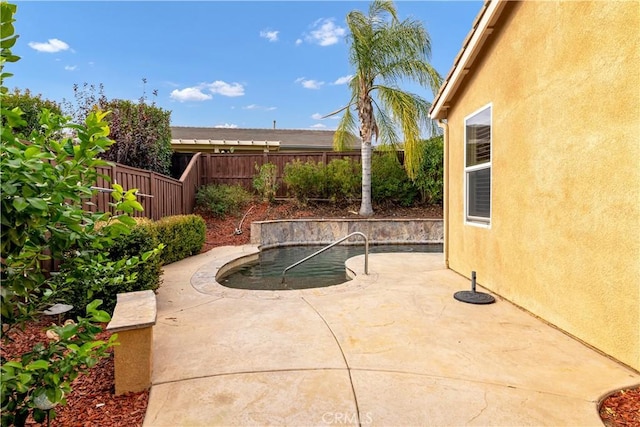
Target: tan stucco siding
[{"x": 564, "y": 240}]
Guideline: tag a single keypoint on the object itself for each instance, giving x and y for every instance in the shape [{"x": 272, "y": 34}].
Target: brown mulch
[
  {"x": 93, "y": 403},
  {"x": 622, "y": 409}
]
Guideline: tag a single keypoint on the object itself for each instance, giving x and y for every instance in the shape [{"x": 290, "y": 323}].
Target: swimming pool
[{"x": 326, "y": 269}]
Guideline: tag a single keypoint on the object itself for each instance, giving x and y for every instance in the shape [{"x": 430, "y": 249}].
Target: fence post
[
  {"x": 114, "y": 180},
  {"x": 155, "y": 199}
]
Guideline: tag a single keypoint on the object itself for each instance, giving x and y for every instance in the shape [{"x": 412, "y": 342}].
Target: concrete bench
[{"x": 133, "y": 320}]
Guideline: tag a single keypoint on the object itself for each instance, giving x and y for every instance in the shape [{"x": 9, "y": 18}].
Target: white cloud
[
  {"x": 309, "y": 84},
  {"x": 226, "y": 126},
  {"x": 225, "y": 89},
  {"x": 317, "y": 116},
  {"x": 205, "y": 91},
  {"x": 272, "y": 36},
  {"x": 51, "y": 46},
  {"x": 258, "y": 107},
  {"x": 318, "y": 126},
  {"x": 343, "y": 80},
  {"x": 325, "y": 32},
  {"x": 70, "y": 67},
  {"x": 298, "y": 42},
  {"x": 189, "y": 94}
]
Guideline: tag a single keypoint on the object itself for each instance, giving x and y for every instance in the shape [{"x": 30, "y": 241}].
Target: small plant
[
  {"x": 182, "y": 235},
  {"x": 305, "y": 180},
  {"x": 42, "y": 378},
  {"x": 265, "y": 182},
  {"x": 221, "y": 200}
]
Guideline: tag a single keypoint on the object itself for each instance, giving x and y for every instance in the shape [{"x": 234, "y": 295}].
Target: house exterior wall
[{"x": 564, "y": 239}]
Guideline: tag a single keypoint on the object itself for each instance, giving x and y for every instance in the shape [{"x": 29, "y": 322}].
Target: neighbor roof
[
  {"x": 290, "y": 139},
  {"x": 481, "y": 29}
]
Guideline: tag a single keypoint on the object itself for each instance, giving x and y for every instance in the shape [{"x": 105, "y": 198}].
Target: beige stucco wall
[{"x": 564, "y": 240}]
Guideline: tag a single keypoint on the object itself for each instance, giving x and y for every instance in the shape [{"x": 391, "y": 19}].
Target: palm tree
[{"x": 384, "y": 51}]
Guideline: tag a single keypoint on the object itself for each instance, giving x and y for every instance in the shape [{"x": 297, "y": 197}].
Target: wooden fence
[
  {"x": 159, "y": 195},
  {"x": 163, "y": 196},
  {"x": 239, "y": 169}
]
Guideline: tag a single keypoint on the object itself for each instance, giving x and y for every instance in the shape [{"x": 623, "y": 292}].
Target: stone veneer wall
[{"x": 269, "y": 234}]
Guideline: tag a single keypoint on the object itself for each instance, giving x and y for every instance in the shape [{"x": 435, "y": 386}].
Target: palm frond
[{"x": 345, "y": 137}]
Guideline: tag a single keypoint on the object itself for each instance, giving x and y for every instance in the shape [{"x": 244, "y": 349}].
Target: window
[{"x": 477, "y": 169}]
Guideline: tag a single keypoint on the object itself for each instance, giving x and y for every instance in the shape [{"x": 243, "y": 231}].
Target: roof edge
[{"x": 482, "y": 27}]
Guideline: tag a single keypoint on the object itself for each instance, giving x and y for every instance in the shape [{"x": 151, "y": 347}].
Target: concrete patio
[{"x": 389, "y": 349}]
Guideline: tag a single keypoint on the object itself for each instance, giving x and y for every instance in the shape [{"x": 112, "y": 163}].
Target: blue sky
[{"x": 214, "y": 63}]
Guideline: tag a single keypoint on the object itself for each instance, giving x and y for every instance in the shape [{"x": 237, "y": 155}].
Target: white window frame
[{"x": 468, "y": 219}]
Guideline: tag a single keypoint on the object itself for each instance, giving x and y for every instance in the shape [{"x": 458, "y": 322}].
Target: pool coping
[{"x": 323, "y": 231}]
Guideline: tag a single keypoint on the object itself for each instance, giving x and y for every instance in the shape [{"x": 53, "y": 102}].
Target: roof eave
[{"x": 475, "y": 40}]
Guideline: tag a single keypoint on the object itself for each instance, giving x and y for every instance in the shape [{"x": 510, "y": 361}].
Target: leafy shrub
[
  {"x": 265, "y": 181},
  {"x": 305, "y": 180},
  {"x": 430, "y": 178},
  {"x": 182, "y": 235},
  {"x": 30, "y": 105},
  {"x": 142, "y": 238},
  {"x": 389, "y": 181},
  {"x": 221, "y": 200},
  {"x": 45, "y": 182},
  {"x": 142, "y": 131},
  {"x": 344, "y": 179}
]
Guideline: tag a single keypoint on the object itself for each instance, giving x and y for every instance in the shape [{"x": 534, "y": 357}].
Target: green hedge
[
  {"x": 142, "y": 238},
  {"x": 183, "y": 236}
]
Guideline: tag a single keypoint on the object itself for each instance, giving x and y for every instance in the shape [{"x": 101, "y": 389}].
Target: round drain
[{"x": 473, "y": 297}]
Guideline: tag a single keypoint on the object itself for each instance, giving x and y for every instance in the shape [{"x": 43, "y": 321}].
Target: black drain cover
[{"x": 473, "y": 297}]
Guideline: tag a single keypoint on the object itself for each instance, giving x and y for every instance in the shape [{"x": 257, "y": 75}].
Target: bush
[
  {"x": 305, "y": 180},
  {"x": 389, "y": 181},
  {"x": 221, "y": 200},
  {"x": 265, "y": 181},
  {"x": 141, "y": 131},
  {"x": 430, "y": 178},
  {"x": 30, "y": 105},
  {"x": 142, "y": 238},
  {"x": 182, "y": 235},
  {"x": 344, "y": 179}
]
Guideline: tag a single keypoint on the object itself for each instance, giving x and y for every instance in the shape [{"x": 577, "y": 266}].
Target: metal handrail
[{"x": 366, "y": 253}]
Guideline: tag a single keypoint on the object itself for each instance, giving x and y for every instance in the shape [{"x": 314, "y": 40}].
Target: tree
[
  {"x": 141, "y": 131},
  {"x": 384, "y": 51}
]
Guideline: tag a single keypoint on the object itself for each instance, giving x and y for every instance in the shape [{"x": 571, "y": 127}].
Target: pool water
[{"x": 326, "y": 269}]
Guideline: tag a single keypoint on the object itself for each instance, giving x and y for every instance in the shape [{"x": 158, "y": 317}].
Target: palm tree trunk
[{"x": 365, "y": 207}]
